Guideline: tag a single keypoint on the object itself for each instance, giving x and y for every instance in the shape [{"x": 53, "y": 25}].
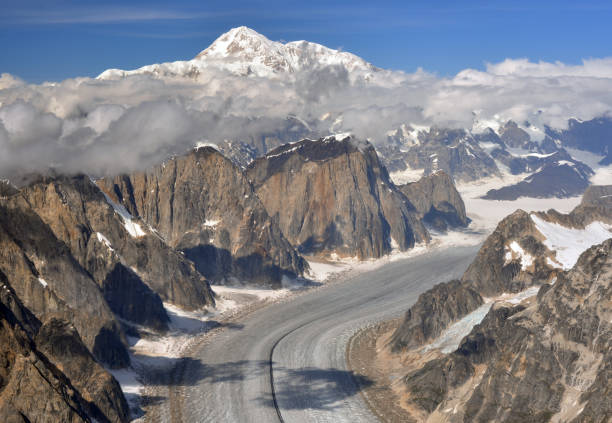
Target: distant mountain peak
[
  {"x": 237, "y": 40},
  {"x": 244, "y": 51}
]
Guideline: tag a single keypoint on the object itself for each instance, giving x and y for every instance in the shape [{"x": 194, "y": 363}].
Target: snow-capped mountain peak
[{"x": 243, "y": 51}]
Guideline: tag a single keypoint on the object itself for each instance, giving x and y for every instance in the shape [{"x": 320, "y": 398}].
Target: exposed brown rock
[
  {"x": 203, "y": 205},
  {"x": 61, "y": 343},
  {"x": 34, "y": 385},
  {"x": 492, "y": 273},
  {"x": 433, "y": 312},
  {"x": 549, "y": 360},
  {"x": 515, "y": 137},
  {"x": 50, "y": 282},
  {"x": 334, "y": 196},
  {"x": 497, "y": 269},
  {"x": 133, "y": 271},
  {"x": 437, "y": 200}
]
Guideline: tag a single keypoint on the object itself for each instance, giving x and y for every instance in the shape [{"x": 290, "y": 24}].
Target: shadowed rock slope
[
  {"x": 545, "y": 360},
  {"x": 134, "y": 267},
  {"x": 203, "y": 205},
  {"x": 558, "y": 175},
  {"x": 437, "y": 200},
  {"x": 334, "y": 196},
  {"x": 514, "y": 257},
  {"x": 50, "y": 282},
  {"x": 47, "y": 374}
]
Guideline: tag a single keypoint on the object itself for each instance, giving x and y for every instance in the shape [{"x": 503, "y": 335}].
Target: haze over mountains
[
  {"x": 128, "y": 194},
  {"x": 247, "y": 89}
]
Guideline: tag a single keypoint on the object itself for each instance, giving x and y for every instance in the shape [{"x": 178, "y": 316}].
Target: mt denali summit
[{"x": 244, "y": 52}]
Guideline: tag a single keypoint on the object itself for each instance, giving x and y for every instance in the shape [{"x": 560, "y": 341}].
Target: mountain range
[
  {"x": 488, "y": 149},
  {"x": 86, "y": 264},
  {"x": 524, "y": 335},
  {"x": 91, "y": 261}
]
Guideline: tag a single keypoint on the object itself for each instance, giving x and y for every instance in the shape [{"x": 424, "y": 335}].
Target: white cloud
[{"x": 101, "y": 127}]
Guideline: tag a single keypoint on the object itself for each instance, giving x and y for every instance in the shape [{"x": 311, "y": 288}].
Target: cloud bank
[{"x": 104, "y": 127}]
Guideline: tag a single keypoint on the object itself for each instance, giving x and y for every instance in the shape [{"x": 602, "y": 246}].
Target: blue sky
[{"x": 53, "y": 40}]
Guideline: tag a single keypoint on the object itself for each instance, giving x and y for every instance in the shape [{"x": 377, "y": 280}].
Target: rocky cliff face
[
  {"x": 432, "y": 313},
  {"x": 547, "y": 360},
  {"x": 334, "y": 196},
  {"x": 203, "y": 205},
  {"x": 456, "y": 152},
  {"x": 554, "y": 175},
  {"x": 595, "y": 205},
  {"x": 515, "y": 137},
  {"x": 437, "y": 201},
  {"x": 134, "y": 267},
  {"x": 46, "y": 372},
  {"x": 525, "y": 249},
  {"x": 511, "y": 259},
  {"x": 591, "y": 135},
  {"x": 51, "y": 283},
  {"x": 6, "y": 189}
]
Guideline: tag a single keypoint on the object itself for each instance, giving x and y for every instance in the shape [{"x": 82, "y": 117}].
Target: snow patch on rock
[
  {"x": 133, "y": 228},
  {"x": 569, "y": 243},
  {"x": 514, "y": 251},
  {"x": 104, "y": 240},
  {"x": 451, "y": 338}
]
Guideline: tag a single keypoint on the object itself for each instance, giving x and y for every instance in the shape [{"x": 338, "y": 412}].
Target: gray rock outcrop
[
  {"x": 51, "y": 283},
  {"x": 548, "y": 360},
  {"x": 47, "y": 374},
  {"x": 134, "y": 267},
  {"x": 513, "y": 258},
  {"x": 437, "y": 200}
]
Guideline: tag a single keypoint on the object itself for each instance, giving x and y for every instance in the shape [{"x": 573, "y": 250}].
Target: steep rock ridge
[
  {"x": 334, "y": 196},
  {"x": 131, "y": 263},
  {"x": 286, "y": 130},
  {"x": 534, "y": 161},
  {"x": 548, "y": 360},
  {"x": 203, "y": 205},
  {"x": 515, "y": 137},
  {"x": 524, "y": 250},
  {"x": 7, "y": 189},
  {"x": 557, "y": 175},
  {"x": 61, "y": 343},
  {"x": 50, "y": 281},
  {"x": 433, "y": 311},
  {"x": 591, "y": 135},
  {"x": 454, "y": 151},
  {"x": 511, "y": 258},
  {"x": 595, "y": 205},
  {"x": 38, "y": 385},
  {"x": 436, "y": 198}
]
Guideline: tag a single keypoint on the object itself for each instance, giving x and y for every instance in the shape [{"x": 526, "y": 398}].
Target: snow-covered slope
[{"x": 243, "y": 51}]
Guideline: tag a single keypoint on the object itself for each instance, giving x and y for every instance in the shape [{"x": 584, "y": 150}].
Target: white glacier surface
[{"x": 569, "y": 243}]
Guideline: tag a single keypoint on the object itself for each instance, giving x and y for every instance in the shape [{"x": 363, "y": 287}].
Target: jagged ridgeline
[
  {"x": 83, "y": 261},
  {"x": 546, "y": 358},
  {"x": 334, "y": 196},
  {"x": 47, "y": 372},
  {"x": 203, "y": 205}
]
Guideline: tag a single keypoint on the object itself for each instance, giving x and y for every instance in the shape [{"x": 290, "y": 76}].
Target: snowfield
[
  {"x": 486, "y": 214},
  {"x": 569, "y": 243}
]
